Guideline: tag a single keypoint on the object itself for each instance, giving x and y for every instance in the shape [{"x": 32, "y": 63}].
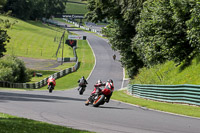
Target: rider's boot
[{"x": 87, "y": 102}]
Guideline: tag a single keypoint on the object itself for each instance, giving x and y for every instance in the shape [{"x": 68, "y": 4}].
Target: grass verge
[
  {"x": 12, "y": 124},
  {"x": 187, "y": 110}
]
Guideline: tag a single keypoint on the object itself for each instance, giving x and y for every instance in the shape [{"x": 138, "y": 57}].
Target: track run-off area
[{"x": 67, "y": 107}]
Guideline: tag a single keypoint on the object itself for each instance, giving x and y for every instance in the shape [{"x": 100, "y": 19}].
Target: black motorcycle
[
  {"x": 81, "y": 90},
  {"x": 82, "y": 85}
]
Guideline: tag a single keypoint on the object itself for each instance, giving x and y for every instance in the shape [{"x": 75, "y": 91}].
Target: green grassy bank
[
  {"x": 12, "y": 124},
  {"x": 35, "y": 40},
  {"x": 187, "y": 110},
  {"x": 170, "y": 73}
]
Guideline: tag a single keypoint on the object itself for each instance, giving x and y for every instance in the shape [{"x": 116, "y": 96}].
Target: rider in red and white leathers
[
  {"x": 107, "y": 91},
  {"x": 51, "y": 80}
]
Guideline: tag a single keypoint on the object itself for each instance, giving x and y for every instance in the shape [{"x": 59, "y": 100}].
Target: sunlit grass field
[
  {"x": 74, "y": 8},
  {"x": 35, "y": 39}
]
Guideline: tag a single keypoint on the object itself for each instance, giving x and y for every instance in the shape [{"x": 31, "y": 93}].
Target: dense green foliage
[
  {"x": 162, "y": 32},
  {"x": 123, "y": 17},
  {"x": 34, "y": 9},
  {"x": 13, "y": 70},
  {"x": 2, "y": 4},
  {"x": 149, "y": 32},
  {"x": 4, "y": 37}
]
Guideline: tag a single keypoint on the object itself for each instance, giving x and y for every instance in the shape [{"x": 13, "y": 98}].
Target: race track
[{"x": 67, "y": 107}]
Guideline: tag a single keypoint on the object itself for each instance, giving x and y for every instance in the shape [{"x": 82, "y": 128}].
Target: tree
[
  {"x": 161, "y": 32},
  {"x": 2, "y": 4},
  {"x": 4, "y": 38},
  {"x": 123, "y": 16},
  {"x": 193, "y": 24},
  {"x": 13, "y": 70},
  {"x": 35, "y": 9}
]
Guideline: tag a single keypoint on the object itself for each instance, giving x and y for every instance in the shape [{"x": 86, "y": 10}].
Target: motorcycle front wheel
[
  {"x": 99, "y": 101},
  {"x": 50, "y": 88}
]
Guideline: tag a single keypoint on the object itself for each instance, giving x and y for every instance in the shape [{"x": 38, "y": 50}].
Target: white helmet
[{"x": 99, "y": 81}]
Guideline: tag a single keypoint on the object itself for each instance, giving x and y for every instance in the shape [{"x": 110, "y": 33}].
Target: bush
[{"x": 13, "y": 70}]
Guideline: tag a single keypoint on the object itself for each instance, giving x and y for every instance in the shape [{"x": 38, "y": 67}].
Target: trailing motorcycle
[
  {"x": 82, "y": 85},
  {"x": 81, "y": 90}
]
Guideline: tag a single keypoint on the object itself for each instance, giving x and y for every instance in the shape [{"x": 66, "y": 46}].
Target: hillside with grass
[
  {"x": 170, "y": 73},
  {"x": 76, "y": 7},
  {"x": 35, "y": 39}
]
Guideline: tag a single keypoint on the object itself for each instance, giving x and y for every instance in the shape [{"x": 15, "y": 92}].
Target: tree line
[
  {"x": 149, "y": 32},
  {"x": 33, "y": 9}
]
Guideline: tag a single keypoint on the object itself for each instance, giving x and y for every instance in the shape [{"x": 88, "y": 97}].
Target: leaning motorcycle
[
  {"x": 81, "y": 90},
  {"x": 96, "y": 99},
  {"x": 99, "y": 100}
]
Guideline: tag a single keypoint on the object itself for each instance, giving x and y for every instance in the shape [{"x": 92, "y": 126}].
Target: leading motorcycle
[{"x": 97, "y": 99}]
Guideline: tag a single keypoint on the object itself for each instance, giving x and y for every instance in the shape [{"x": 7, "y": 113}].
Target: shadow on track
[
  {"x": 8, "y": 96},
  {"x": 114, "y": 108}
]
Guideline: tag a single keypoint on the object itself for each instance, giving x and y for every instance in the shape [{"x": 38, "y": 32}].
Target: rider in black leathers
[{"x": 82, "y": 82}]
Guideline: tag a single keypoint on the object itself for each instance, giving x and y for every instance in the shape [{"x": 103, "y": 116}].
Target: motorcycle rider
[
  {"x": 82, "y": 82},
  {"x": 97, "y": 86},
  {"x": 107, "y": 91},
  {"x": 51, "y": 80}
]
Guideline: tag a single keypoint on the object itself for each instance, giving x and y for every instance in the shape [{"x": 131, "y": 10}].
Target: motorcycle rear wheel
[
  {"x": 82, "y": 89},
  {"x": 50, "y": 88}
]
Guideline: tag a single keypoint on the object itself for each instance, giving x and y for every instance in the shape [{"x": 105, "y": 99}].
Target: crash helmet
[
  {"x": 110, "y": 81},
  {"x": 99, "y": 81}
]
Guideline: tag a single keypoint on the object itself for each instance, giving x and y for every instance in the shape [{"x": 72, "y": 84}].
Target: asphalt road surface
[{"x": 67, "y": 107}]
